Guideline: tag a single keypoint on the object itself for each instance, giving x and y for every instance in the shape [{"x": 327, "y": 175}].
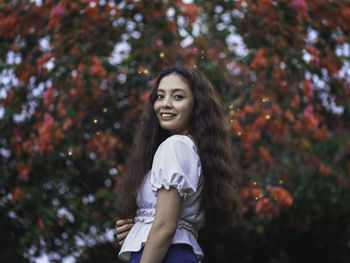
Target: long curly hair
[{"x": 219, "y": 198}]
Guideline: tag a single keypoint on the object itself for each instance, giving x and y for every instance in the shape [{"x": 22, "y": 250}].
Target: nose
[{"x": 166, "y": 102}]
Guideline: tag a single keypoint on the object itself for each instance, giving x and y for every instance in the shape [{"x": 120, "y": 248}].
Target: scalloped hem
[{"x": 167, "y": 186}]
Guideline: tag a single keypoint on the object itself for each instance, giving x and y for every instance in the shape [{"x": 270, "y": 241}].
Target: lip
[{"x": 166, "y": 118}]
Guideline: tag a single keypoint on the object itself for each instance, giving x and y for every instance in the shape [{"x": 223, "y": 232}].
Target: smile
[{"x": 167, "y": 116}]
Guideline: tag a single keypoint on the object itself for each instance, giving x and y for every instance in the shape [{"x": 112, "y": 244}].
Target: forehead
[{"x": 173, "y": 81}]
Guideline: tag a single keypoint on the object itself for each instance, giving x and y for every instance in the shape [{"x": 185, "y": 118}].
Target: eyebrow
[{"x": 173, "y": 90}]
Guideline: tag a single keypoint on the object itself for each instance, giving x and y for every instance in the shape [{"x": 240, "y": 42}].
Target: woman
[{"x": 181, "y": 173}]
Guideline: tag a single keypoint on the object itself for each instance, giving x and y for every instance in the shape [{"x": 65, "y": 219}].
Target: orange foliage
[
  {"x": 264, "y": 6},
  {"x": 61, "y": 110},
  {"x": 24, "y": 171},
  {"x": 308, "y": 88},
  {"x": 298, "y": 127},
  {"x": 57, "y": 13},
  {"x": 17, "y": 194},
  {"x": 8, "y": 26},
  {"x": 265, "y": 155},
  {"x": 325, "y": 170},
  {"x": 144, "y": 96},
  {"x": 96, "y": 214},
  {"x": 321, "y": 133},
  {"x": 97, "y": 67},
  {"x": 42, "y": 60},
  {"x": 49, "y": 136},
  {"x": 191, "y": 11},
  {"x": 260, "y": 122},
  {"x": 237, "y": 129},
  {"x": 260, "y": 61},
  {"x": 301, "y": 7},
  {"x": 15, "y": 48},
  {"x": 172, "y": 27},
  {"x": 48, "y": 96},
  {"x": 251, "y": 135},
  {"x": 314, "y": 52},
  {"x": 344, "y": 16},
  {"x": 289, "y": 116},
  {"x": 295, "y": 102},
  {"x": 278, "y": 130},
  {"x": 16, "y": 141},
  {"x": 283, "y": 197},
  {"x": 41, "y": 225},
  {"x": 213, "y": 54},
  {"x": 309, "y": 119},
  {"x": 104, "y": 144},
  {"x": 266, "y": 203},
  {"x": 67, "y": 124},
  {"x": 249, "y": 109},
  {"x": 25, "y": 71}
]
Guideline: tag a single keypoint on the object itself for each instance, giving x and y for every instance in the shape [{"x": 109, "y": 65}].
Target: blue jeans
[{"x": 177, "y": 253}]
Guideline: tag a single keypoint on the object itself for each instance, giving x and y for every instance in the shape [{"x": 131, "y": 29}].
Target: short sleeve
[{"x": 176, "y": 164}]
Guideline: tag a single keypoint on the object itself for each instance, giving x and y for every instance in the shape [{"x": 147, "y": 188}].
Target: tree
[{"x": 74, "y": 77}]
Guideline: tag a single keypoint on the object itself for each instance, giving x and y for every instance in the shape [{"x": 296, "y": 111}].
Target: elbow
[{"x": 165, "y": 229}]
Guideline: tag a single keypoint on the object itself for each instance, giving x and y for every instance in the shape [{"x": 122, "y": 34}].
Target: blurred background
[{"x": 74, "y": 76}]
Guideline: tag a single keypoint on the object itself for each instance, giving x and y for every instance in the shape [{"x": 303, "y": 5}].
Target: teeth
[{"x": 167, "y": 115}]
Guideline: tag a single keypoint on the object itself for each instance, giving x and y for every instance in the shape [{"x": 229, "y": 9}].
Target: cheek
[
  {"x": 155, "y": 106},
  {"x": 188, "y": 110}
]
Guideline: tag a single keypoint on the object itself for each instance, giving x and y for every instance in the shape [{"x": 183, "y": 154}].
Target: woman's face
[{"x": 174, "y": 104}]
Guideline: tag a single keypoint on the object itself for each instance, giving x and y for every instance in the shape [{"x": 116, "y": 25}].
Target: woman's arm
[{"x": 164, "y": 226}]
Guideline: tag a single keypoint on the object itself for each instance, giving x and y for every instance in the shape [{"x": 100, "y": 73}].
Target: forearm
[
  {"x": 164, "y": 226},
  {"x": 157, "y": 245}
]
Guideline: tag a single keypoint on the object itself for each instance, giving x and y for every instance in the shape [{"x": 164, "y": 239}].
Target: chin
[{"x": 166, "y": 127}]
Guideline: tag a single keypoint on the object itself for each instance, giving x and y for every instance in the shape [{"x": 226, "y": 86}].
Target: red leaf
[{"x": 17, "y": 194}]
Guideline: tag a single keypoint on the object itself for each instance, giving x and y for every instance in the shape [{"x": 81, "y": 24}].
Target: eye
[
  {"x": 179, "y": 97},
  {"x": 159, "y": 96}
]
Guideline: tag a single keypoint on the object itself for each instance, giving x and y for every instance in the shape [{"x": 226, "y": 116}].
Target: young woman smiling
[{"x": 181, "y": 173}]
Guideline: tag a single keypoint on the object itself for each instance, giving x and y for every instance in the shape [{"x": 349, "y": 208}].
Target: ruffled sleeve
[{"x": 176, "y": 164}]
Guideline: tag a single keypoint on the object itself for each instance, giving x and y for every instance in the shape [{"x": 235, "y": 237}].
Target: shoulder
[
  {"x": 177, "y": 148},
  {"x": 179, "y": 142}
]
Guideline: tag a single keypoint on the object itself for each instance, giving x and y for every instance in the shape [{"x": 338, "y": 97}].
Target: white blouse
[{"x": 175, "y": 164}]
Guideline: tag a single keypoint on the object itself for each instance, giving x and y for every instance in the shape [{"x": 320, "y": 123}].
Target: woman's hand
[{"x": 122, "y": 228}]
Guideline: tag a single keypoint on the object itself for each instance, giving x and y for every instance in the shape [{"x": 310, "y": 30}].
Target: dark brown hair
[{"x": 220, "y": 200}]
